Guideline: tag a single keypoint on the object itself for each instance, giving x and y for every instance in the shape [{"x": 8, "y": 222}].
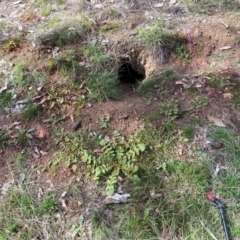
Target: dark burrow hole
[{"x": 127, "y": 74}]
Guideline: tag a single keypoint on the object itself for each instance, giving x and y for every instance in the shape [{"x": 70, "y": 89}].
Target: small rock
[
  {"x": 225, "y": 48},
  {"x": 158, "y": 5},
  {"x": 2, "y": 63},
  {"x": 55, "y": 51},
  {"x": 172, "y": 2}
]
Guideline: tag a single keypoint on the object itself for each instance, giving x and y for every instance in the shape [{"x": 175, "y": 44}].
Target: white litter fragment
[
  {"x": 158, "y": 5},
  {"x": 225, "y": 48},
  {"x": 117, "y": 198}
]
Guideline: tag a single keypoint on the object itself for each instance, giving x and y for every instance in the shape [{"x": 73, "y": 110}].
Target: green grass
[
  {"x": 46, "y": 10},
  {"x": 23, "y": 217},
  {"x": 110, "y": 13},
  {"x": 5, "y": 99},
  {"x": 209, "y": 7},
  {"x": 110, "y": 26},
  {"x": 162, "y": 83},
  {"x": 31, "y": 112},
  {"x": 96, "y": 55},
  {"x": 158, "y": 40},
  {"x": 103, "y": 86},
  {"x": 180, "y": 210}
]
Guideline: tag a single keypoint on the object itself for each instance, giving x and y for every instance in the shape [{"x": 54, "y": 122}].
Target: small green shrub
[
  {"x": 216, "y": 81},
  {"x": 23, "y": 135},
  {"x": 47, "y": 205},
  {"x": 181, "y": 51},
  {"x": 188, "y": 131},
  {"x": 169, "y": 109},
  {"x": 31, "y": 112}
]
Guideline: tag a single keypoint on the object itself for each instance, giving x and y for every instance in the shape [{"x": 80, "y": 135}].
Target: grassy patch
[
  {"x": 159, "y": 40},
  {"x": 170, "y": 201},
  {"x": 5, "y": 99},
  {"x": 103, "y": 86},
  {"x": 22, "y": 216},
  {"x": 209, "y": 7},
  {"x": 164, "y": 82},
  {"x": 110, "y": 13},
  {"x": 216, "y": 81},
  {"x": 46, "y": 10},
  {"x": 96, "y": 55},
  {"x": 110, "y": 26},
  {"x": 31, "y": 112}
]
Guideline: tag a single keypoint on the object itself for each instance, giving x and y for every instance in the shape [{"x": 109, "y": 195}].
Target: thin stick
[{"x": 208, "y": 230}]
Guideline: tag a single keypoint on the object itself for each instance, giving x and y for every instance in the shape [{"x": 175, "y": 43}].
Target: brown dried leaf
[
  {"x": 227, "y": 95},
  {"x": 74, "y": 168},
  {"x": 43, "y": 153},
  {"x": 217, "y": 122}
]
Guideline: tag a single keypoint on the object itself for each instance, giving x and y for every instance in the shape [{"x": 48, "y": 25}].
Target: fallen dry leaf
[
  {"x": 74, "y": 168},
  {"x": 41, "y": 133},
  {"x": 80, "y": 203},
  {"x": 217, "y": 122},
  {"x": 227, "y": 95},
  {"x": 43, "y": 153}
]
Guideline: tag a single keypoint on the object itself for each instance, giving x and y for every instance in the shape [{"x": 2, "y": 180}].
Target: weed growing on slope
[{"x": 216, "y": 81}]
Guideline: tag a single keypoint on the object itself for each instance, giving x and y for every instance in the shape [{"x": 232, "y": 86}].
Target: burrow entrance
[{"x": 130, "y": 72}]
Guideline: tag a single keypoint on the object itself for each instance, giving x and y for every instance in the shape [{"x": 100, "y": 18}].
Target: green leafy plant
[
  {"x": 169, "y": 109},
  {"x": 198, "y": 103},
  {"x": 113, "y": 158},
  {"x": 216, "y": 81},
  {"x": 103, "y": 122},
  {"x": 181, "y": 50},
  {"x": 24, "y": 135},
  {"x": 47, "y": 205}
]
